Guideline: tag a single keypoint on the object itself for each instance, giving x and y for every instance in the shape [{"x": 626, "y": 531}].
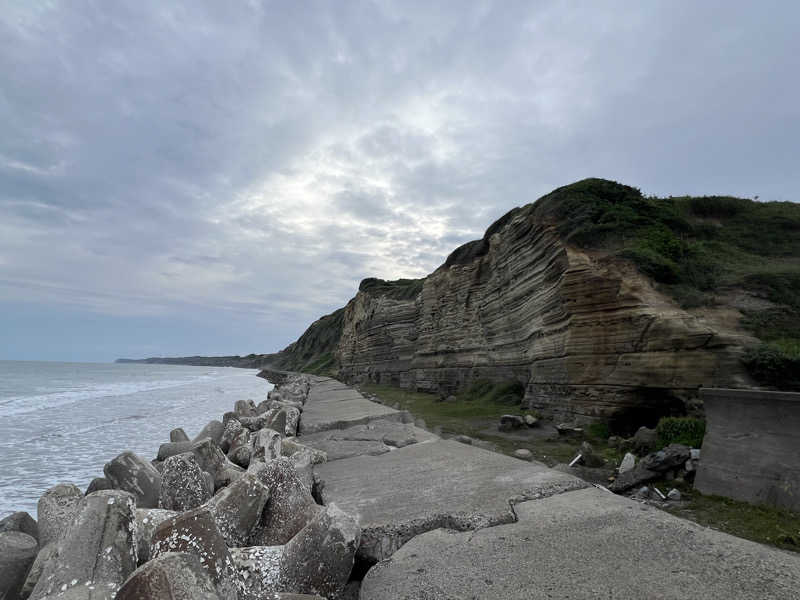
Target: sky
[{"x": 205, "y": 177}]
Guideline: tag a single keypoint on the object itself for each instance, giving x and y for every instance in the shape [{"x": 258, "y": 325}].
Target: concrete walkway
[{"x": 452, "y": 521}]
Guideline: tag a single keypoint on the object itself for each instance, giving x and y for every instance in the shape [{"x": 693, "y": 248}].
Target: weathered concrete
[
  {"x": 409, "y": 491},
  {"x": 374, "y": 438},
  {"x": 17, "y": 553},
  {"x": 334, "y": 405},
  {"x": 133, "y": 474},
  {"x": 20, "y": 521},
  {"x": 56, "y": 509},
  {"x": 171, "y": 576},
  {"x": 585, "y": 544},
  {"x": 750, "y": 450}
]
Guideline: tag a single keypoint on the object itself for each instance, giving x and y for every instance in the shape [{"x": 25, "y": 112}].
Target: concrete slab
[
  {"x": 374, "y": 438},
  {"x": 334, "y": 405},
  {"x": 421, "y": 487},
  {"x": 585, "y": 544}
]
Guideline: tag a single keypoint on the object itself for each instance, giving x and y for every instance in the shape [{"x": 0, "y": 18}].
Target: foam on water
[{"x": 62, "y": 422}]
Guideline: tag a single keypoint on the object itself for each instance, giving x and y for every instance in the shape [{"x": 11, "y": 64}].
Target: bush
[
  {"x": 776, "y": 364},
  {"x": 681, "y": 430}
]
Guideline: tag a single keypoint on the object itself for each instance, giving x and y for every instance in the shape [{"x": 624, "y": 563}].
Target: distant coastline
[{"x": 251, "y": 361}]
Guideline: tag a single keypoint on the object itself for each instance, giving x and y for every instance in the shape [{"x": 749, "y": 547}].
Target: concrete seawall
[
  {"x": 444, "y": 520},
  {"x": 751, "y": 448}
]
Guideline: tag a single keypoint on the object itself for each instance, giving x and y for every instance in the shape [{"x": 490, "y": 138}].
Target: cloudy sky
[{"x": 181, "y": 177}]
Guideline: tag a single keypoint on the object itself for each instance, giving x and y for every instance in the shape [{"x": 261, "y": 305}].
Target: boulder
[
  {"x": 213, "y": 430},
  {"x": 178, "y": 435},
  {"x": 290, "y": 506},
  {"x": 568, "y": 430},
  {"x": 464, "y": 439},
  {"x": 590, "y": 458},
  {"x": 196, "y": 532},
  {"x": 183, "y": 484},
  {"x": 674, "y": 495},
  {"x": 172, "y": 449},
  {"x": 292, "y": 421},
  {"x": 232, "y": 429},
  {"x": 628, "y": 462},
  {"x": 523, "y": 453},
  {"x": 131, "y": 473},
  {"x": 171, "y": 576},
  {"x": 318, "y": 560},
  {"x": 509, "y": 422},
  {"x": 56, "y": 508},
  {"x": 636, "y": 476},
  {"x": 97, "y": 484},
  {"x": 46, "y": 554},
  {"x": 98, "y": 549},
  {"x": 614, "y": 441},
  {"x": 17, "y": 552},
  {"x": 645, "y": 440},
  {"x": 671, "y": 457},
  {"x": 147, "y": 521},
  {"x": 265, "y": 445},
  {"x": 400, "y": 437},
  {"x": 237, "y": 509},
  {"x": 531, "y": 421},
  {"x": 20, "y": 521},
  {"x": 259, "y": 569}
]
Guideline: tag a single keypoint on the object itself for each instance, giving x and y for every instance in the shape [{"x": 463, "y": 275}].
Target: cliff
[{"x": 603, "y": 303}]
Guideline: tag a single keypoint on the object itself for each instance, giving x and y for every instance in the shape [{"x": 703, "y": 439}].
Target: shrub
[
  {"x": 681, "y": 430},
  {"x": 776, "y": 363}
]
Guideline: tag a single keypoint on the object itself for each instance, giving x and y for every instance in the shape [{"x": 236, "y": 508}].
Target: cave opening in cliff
[{"x": 651, "y": 404}]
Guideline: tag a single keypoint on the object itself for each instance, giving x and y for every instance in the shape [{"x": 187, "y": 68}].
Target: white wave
[{"x": 17, "y": 405}]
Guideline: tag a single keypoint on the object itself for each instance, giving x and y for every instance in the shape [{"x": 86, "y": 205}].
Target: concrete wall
[{"x": 751, "y": 450}]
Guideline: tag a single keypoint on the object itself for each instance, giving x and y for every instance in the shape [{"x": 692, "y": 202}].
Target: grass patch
[
  {"x": 764, "y": 524},
  {"x": 487, "y": 392},
  {"x": 325, "y": 364},
  {"x": 478, "y": 417},
  {"x": 399, "y": 289},
  {"x": 681, "y": 430}
]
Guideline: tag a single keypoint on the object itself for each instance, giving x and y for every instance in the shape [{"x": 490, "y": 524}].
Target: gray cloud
[{"x": 261, "y": 157}]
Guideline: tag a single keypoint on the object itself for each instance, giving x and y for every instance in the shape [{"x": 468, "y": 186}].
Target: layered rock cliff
[{"x": 589, "y": 332}]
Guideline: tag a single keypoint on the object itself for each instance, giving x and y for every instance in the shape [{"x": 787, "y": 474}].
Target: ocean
[{"x": 61, "y": 422}]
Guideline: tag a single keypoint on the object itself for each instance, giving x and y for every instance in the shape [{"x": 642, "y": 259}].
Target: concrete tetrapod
[
  {"x": 147, "y": 521},
  {"x": 133, "y": 474},
  {"x": 197, "y": 533},
  {"x": 20, "y": 521},
  {"x": 98, "y": 551},
  {"x": 17, "y": 553},
  {"x": 237, "y": 508},
  {"x": 183, "y": 485},
  {"x": 56, "y": 509},
  {"x": 171, "y": 576},
  {"x": 290, "y": 506},
  {"x": 318, "y": 560}
]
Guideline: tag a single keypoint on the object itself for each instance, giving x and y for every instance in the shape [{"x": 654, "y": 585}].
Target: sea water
[{"x": 61, "y": 422}]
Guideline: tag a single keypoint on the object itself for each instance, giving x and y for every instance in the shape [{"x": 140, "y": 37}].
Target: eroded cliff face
[{"x": 587, "y": 334}]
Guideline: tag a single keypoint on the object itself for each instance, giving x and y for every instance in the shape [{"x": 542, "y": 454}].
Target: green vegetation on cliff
[
  {"x": 698, "y": 248},
  {"x": 399, "y": 289}
]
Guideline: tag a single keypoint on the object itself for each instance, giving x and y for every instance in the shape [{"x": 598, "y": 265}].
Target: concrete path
[
  {"x": 334, "y": 405},
  {"x": 452, "y": 521},
  {"x": 585, "y": 544},
  {"x": 421, "y": 487}
]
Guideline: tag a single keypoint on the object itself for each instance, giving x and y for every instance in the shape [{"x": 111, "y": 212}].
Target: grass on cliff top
[{"x": 695, "y": 248}]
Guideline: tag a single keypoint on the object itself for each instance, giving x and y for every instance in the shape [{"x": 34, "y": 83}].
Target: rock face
[{"x": 587, "y": 335}]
